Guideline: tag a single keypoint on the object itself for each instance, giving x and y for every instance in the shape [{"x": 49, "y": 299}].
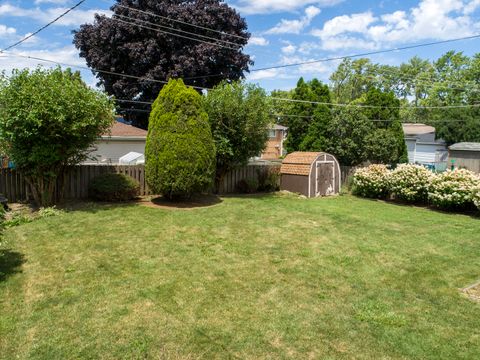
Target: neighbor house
[
  {"x": 465, "y": 155},
  {"x": 121, "y": 144},
  {"x": 423, "y": 147},
  {"x": 276, "y": 137}
]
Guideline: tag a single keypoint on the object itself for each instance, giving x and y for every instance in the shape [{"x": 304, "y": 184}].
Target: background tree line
[{"x": 381, "y": 98}]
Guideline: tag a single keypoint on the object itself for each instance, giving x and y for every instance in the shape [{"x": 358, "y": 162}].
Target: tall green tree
[
  {"x": 304, "y": 114},
  {"x": 180, "y": 151},
  {"x": 383, "y": 110},
  {"x": 48, "y": 121},
  {"x": 348, "y": 131},
  {"x": 239, "y": 115}
]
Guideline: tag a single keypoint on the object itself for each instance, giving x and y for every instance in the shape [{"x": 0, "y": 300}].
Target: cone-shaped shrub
[{"x": 180, "y": 152}]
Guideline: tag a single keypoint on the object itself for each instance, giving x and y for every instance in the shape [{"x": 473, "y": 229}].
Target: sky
[{"x": 283, "y": 32}]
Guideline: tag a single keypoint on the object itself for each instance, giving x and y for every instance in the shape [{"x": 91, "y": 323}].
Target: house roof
[
  {"x": 121, "y": 130},
  {"x": 279, "y": 127},
  {"x": 466, "y": 146},
  {"x": 299, "y": 163},
  {"x": 417, "y": 129}
]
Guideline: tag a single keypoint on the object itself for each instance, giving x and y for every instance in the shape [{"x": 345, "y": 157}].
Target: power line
[
  {"x": 180, "y": 21},
  {"x": 311, "y": 117},
  {"x": 95, "y": 70},
  {"x": 273, "y": 98},
  {"x": 310, "y": 62},
  {"x": 179, "y": 30},
  {"x": 343, "y": 105},
  {"x": 43, "y": 27},
  {"x": 173, "y": 34}
]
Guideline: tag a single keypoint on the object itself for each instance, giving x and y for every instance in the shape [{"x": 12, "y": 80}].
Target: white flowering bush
[
  {"x": 410, "y": 183},
  {"x": 476, "y": 197},
  {"x": 371, "y": 182},
  {"x": 454, "y": 189}
]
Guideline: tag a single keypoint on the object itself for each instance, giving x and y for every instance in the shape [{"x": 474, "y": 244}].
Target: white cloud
[
  {"x": 263, "y": 74},
  {"x": 431, "y": 19},
  {"x": 6, "y": 30},
  {"x": 295, "y": 26},
  {"x": 471, "y": 7},
  {"x": 289, "y": 49},
  {"x": 58, "y": 2},
  {"x": 74, "y": 18},
  {"x": 258, "y": 40},
  {"x": 249, "y": 7}
]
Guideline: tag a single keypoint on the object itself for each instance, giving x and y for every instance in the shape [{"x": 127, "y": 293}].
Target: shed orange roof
[
  {"x": 119, "y": 129},
  {"x": 299, "y": 163}
]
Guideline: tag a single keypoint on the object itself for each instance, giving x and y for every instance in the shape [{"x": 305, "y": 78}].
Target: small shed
[
  {"x": 465, "y": 155},
  {"x": 311, "y": 174}
]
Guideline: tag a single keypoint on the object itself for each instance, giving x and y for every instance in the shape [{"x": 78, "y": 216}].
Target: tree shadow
[
  {"x": 472, "y": 213},
  {"x": 10, "y": 263},
  {"x": 196, "y": 201}
]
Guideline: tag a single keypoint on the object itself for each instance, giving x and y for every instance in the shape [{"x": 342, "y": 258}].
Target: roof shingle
[{"x": 119, "y": 129}]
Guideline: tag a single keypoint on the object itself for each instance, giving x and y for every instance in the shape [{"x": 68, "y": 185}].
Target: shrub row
[{"x": 452, "y": 190}]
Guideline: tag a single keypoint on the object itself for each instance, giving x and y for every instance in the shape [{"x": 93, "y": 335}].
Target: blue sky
[{"x": 283, "y": 31}]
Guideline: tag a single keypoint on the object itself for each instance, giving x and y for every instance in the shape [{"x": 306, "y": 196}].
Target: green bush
[
  {"x": 113, "y": 187},
  {"x": 180, "y": 151},
  {"x": 268, "y": 180},
  {"x": 248, "y": 186}
]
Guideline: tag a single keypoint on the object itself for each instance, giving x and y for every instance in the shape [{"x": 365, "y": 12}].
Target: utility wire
[
  {"x": 43, "y": 27},
  {"x": 273, "y": 98},
  {"x": 179, "y": 30},
  {"x": 310, "y": 62},
  {"x": 344, "y": 105},
  {"x": 179, "y": 21},
  {"x": 173, "y": 34},
  {"x": 94, "y": 70},
  {"x": 311, "y": 117}
]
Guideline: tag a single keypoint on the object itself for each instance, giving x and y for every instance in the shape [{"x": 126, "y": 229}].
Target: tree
[
  {"x": 149, "y": 50},
  {"x": 180, "y": 152},
  {"x": 302, "y": 114},
  {"x": 381, "y": 147},
  {"x": 348, "y": 132},
  {"x": 383, "y": 109},
  {"x": 239, "y": 116},
  {"x": 48, "y": 121}
]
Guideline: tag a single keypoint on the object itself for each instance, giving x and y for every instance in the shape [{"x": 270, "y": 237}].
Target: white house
[
  {"x": 117, "y": 145},
  {"x": 423, "y": 147}
]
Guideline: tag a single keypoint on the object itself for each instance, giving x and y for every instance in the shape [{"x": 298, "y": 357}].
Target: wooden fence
[{"x": 75, "y": 185}]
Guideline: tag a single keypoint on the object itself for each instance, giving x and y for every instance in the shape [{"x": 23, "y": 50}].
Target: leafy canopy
[
  {"x": 148, "y": 51},
  {"x": 180, "y": 152},
  {"x": 48, "y": 121},
  {"x": 303, "y": 115},
  {"x": 239, "y": 116}
]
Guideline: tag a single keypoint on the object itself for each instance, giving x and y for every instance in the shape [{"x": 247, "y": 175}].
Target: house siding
[
  {"x": 274, "y": 146},
  {"x": 110, "y": 151},
  {"x": 465, "y": 160}
]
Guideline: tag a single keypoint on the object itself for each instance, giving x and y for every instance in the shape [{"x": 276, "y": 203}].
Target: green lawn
[{"x": 272, "y": 277}]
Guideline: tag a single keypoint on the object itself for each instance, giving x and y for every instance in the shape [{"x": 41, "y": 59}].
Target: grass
[{"x": 270, "y": 277}]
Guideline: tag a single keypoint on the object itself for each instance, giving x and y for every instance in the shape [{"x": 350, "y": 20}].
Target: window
[{"x": 272, "y": 134}]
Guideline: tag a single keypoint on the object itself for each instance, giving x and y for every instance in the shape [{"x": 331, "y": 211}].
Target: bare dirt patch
[{"x": 472, "y": 292}]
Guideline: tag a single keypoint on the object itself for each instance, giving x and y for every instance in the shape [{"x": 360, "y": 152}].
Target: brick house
[{"x": 276, "y": 137}]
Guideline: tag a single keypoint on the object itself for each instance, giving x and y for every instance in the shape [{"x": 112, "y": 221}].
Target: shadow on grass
[
  {"x": 10, "y": 263},
  {"x": 196, "y": 201},
  {"x": 472, "y": 213}
]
